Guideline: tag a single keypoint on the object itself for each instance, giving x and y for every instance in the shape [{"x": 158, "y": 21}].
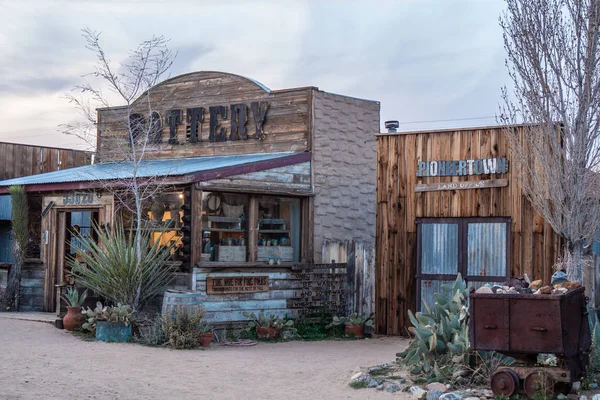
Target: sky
[{"x": 430, "y": 63}]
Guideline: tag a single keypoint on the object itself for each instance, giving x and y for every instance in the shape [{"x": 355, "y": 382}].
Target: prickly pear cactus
[{"x": 441, "y": 333}]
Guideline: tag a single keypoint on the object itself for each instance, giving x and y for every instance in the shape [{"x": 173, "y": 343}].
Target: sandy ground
[{"x": 38, "y": 361}]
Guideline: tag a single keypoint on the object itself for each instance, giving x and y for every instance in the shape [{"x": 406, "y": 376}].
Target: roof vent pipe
[{"x": 392, "y": 126}]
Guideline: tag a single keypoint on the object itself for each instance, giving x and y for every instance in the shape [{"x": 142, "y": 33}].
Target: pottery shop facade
[
  {"x": 449, "y": 202},
  {"x": 255, "y": 181}
]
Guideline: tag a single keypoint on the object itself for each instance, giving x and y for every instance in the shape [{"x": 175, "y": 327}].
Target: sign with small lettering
[
  {"x": 488, "y": 183},
  {"x": 236, "y": 284},
  {"x": 481, "y": 166},
  {"x": 79, "y": 199}
]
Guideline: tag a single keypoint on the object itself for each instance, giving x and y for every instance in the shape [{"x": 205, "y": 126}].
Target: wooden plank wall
[
  {"x": 31, "y": 290},
  {"x": 534, "y": 246},
  {"x": 286, "y": 125},
  {"x": 21, "y": 160}
]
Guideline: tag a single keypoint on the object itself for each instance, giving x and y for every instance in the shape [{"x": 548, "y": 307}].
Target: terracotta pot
[
  {"x": 74, "y": 318},
  {"x": 205, "y": 339},
  {"x": 267, "y": 333},
  {"x": 357, "y": 330}
]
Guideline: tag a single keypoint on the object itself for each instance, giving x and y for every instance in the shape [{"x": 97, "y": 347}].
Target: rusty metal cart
[{"x": 525, "y": 325}]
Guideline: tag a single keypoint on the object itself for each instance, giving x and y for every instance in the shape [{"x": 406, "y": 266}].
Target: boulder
[
  {"x": 433, "y": 394},
  {"x": 437, "y": 386},
  {"x": 451, "y": 396},
  {"x": 417, "y": 392},
  {"x": 535, "y": 285},
  {"x": 484, "y": 289}
]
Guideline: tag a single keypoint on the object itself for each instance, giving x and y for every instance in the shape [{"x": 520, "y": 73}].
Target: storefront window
[
  {"x": 278, "y": 230},
  {"x": 164, "y": 220},
  {"x": 224, "y": 227}
]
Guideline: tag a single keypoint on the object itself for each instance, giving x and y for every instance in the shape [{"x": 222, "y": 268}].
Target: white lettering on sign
[{"x": 481, "y": 166}]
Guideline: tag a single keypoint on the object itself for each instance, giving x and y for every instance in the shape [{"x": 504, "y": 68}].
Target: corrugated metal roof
[
  {"x": 5, "y": 207},
  {"x": 146, "y": 169}
]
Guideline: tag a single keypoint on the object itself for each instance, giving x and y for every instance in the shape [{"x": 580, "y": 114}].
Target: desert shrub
[
  {"x": 110, "y": 266},
  {"x": 153, "y": 333},
  {"x": 183, "y": 327}
]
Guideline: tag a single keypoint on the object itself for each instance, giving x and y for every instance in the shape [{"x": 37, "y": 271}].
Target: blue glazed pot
[{"x": 113, "y": 332}]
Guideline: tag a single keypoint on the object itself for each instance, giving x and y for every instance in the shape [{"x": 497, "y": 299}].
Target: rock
[
  {"x": 373, "y": 383},
  {"x": 451, "y": 396},
  {"x": 360, "y": 377},
  {"x": 560, "y": 290},
  {"x": 472, "y": 398},
  {"x": 596, "y": 397},
  {"x": 592, "y": 386},
  {"x": 393, "y": 388},
  {"x": 546, "y": 290},
  {"x": 577, "y": 386},
  {"x": 583, "y": 398},
  {"x": 535, "y": 285},
  {"x": 417, "y": 392},
  {"x": 558, "y": 278},
  {"x": 571, "y": 285},
  {"x": 561, "y": 397},
  {"x": 484, "y": 289},
  {"x": 437, "y": 386},
  {"x": 488, "y": 393},
  {"x": 495, "y": 288},
  {"x": 433, "y": 394},
  {"x": 380, "y": 387}
]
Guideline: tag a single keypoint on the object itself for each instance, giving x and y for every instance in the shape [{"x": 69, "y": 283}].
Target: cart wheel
[
  {"x": 538, "y": 382},
  {"x": 505, "y": 382}
]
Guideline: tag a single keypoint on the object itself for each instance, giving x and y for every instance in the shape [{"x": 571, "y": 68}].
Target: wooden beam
[
  {"x": 433, "y": 187},
  {"x": 196, "y": 225}
]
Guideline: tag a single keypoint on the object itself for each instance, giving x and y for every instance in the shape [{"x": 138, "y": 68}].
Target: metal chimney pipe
[{"x": 392, "y": 126}]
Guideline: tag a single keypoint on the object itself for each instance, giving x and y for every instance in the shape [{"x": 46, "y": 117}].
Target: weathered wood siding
[
  {"x": 286, "y": 125},
  {"x": 22, "y": 160},
  {"x": 290, "y": 179},
  {"x": 534, "y": 245},
  {"x": 31, "y": 290}
]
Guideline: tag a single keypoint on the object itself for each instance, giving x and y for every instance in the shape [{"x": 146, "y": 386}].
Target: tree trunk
[{"x": 575, "y": 260}]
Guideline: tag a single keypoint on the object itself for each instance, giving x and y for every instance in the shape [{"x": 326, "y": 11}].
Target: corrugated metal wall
[
  {"x": 486, "y": 249},
  {"x": 439, "y": 250}
]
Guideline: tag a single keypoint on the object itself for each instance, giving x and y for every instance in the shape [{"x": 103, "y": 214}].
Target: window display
[
  {"x": 278, "y": 230},
  {"x": 224, "y": 234}
]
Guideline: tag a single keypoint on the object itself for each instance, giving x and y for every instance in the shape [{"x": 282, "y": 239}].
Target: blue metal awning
[
  {"x": 192, "y": 169},
  {"x": 5, "y": 207}
]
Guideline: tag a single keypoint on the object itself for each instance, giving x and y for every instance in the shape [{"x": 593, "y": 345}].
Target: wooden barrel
[{"x": 185, "y": 300}]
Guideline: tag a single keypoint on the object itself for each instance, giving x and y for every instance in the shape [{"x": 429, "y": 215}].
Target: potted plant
[
  {"x": 74, "y": 318},
  {"x": 354, "y": 324},
  {"x": 112, "y": 324},
  {"x": 206, "y": 335},
  {"x": 267, "y": 327}
]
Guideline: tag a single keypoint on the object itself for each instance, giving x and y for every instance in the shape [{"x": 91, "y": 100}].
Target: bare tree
[
  {"x": 553, "y": 60},
  {"x": 132, "y": 130}
]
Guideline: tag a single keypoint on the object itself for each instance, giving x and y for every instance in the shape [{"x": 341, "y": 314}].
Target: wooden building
[
  {"x": 19, "y": 160},
  {"x": 449, "y": 201},
  {"x": 256, "y": 181}
]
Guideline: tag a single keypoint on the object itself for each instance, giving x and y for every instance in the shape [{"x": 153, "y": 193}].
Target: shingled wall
[{"x": 344, "y": 166}]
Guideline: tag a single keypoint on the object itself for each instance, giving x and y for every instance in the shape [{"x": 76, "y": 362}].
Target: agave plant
[
  {"x": 441, "y": 334},
  {"x": 73, "y": 298},
  {"x": 111, "y": 268}
]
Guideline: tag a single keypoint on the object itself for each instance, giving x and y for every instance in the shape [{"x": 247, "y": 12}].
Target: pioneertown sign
[
  {"x": 240, "y": 116},
  {"x": 482, "y": 166}
]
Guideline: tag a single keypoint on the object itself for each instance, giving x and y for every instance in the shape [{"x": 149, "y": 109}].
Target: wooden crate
[
  {"x": 231, "y": 253},
  {"x": 285, "y": 253}
]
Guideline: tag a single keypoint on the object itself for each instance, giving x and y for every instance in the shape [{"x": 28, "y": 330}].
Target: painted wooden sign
[
  {"x": 320, "y": 291},
  {"x": 237, "y": 284},
  {"x": 488, "y": 183},
  {"x": 481, "y": 166}
]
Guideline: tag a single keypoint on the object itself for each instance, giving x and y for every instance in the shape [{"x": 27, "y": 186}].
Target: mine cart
[{"x": 524, "y": 325}]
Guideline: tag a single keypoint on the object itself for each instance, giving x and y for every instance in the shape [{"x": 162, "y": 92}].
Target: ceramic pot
[
  {"x": 267, "y": 333},
  {"x": 73, "y": 319},
  {"x": 358, "y": 331},
  {"x": 205, "y": 339}
]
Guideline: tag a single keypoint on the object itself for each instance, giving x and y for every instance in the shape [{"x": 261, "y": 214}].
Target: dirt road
[{"x": 38, "y": 361}]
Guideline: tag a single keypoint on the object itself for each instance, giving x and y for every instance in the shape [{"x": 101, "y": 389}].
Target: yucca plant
[
  {"x": 112, "y": 269},
  {"x": 441, "y": 334}
]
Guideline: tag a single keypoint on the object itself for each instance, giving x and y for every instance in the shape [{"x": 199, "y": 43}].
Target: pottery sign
[{"x": 236, "y": 284}]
